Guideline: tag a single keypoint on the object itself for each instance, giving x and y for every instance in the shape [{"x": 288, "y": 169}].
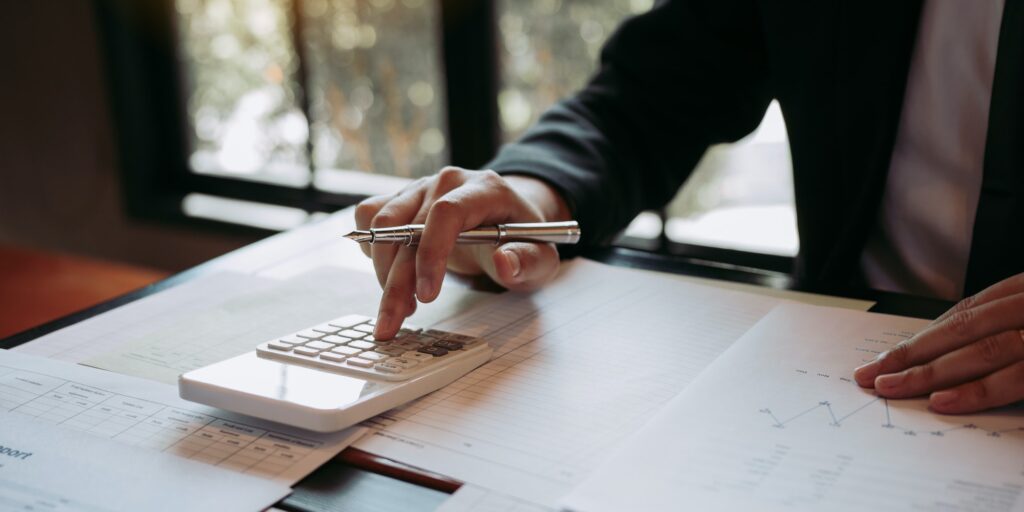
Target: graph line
[{"x": 837, "y": 421}]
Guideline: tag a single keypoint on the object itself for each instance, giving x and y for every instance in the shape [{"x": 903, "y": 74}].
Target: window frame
[
  {"x": 147, "y": 98},
  {"x": 146, "y": 95}
]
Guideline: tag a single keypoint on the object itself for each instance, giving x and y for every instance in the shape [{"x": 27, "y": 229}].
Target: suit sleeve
[{"x": 671, "y": 82}]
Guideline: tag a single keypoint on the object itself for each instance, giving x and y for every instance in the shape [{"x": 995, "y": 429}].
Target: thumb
[{"x": 521, "y": 266}]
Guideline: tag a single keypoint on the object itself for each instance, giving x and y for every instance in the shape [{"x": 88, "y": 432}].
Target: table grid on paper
[
  {"x": 541, "y": 402},
  {"x": 151, "y": 425}
]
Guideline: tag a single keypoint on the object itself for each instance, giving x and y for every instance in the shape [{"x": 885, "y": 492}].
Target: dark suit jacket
[{"x": 692, "y": 73}]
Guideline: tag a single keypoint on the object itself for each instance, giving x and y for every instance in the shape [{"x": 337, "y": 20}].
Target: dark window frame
[
  {"x": 146, "y": 87},
  {"x": 146, "y": 94}
]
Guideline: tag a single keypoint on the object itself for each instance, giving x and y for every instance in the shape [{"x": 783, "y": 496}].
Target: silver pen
[{"x": 567, "y": 232}]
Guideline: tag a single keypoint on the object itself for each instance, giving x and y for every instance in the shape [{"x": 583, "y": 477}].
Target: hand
[
  {"x": 969, "y": 359},
  {"x": 448, "y": 203}
]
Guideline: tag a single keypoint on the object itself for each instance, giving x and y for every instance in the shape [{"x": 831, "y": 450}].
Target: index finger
[
  {"x": 957, "y": 330},
  {"x": 460, "y": 209}
]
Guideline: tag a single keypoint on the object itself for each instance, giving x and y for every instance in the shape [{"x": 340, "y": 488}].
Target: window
[{"x": 309, "y": 105}]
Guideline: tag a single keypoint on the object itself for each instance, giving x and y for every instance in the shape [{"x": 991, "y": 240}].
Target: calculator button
[
  {"x": 448, "y": 345},
  {"x": 405, "y": 362},
  {"x": 331, "y": 356},
  {"x": 318, "y": 345},
  {"x": 327, "y": 328},
  {"x": 417, "y": 356},
  {"x": 406, "y": 331},
  {"x": 461, "y": 338},
  {"x": 387, "y": 367},
  {"x": 346, "y": 322},
  {"x": 283, "y": 347},
  {"x": 372, "y": 321},
  {"x": 310, "y": 333},
  {"x": 373, "y": 356},
  {"x": 406, "y": 345},
  {"x": 435, "y": 333},
  {"x": 293, "y": 340},
  {"x": 306, "y": 351},
  {"x": 337, "y": 340},
  {"x": 391, "y": 351},
  {"x": 349, "y": 333},
  {"x": 423, "y": 339},
  {"x": 365, "y": 345},
  {"x": 434, "y": 351},
  {"x": 358, "y": 361},
  {"x": 348, "y": 351},
  {"x": 364, "y": 328}
]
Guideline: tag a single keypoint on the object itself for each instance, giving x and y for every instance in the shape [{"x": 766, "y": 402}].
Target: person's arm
[{"x": 688, "y": 74}]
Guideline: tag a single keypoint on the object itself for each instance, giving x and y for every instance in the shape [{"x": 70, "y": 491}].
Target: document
[
  {"x": 44, "y": 467},
  {"x": 777, "y": 423},
  {"x": 578, "y": 366},
  {"x": 470, "y": 498},
  {"x": 219, "y": 317},
  {"x": 130, "y": 411}
]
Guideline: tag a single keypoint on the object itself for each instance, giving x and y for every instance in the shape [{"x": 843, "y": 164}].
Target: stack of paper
[
  {"x": 777, "y": 423},
  {"x": 45, "y": 467}
]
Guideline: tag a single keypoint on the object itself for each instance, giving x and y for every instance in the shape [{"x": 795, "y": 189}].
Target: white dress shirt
[{"x": 923, "y": 238}]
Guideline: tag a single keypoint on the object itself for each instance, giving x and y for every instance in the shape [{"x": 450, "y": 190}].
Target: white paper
[
  {"x": 777, "y": 423},
  {"x": 470, "y": 498},
  {"x": 579, "y": 365},
  {"x": 214, "y": 318},
  {"x": 44, "y": 467},
  {"x": 150, "y": 415},
  {"x": 101, "y": 333}
]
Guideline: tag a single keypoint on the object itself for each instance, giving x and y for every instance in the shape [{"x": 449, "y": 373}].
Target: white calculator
[{"x": 334, "y": 375}]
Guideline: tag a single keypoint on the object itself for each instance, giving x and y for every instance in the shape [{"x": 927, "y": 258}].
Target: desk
[{"x": 360, "y": 480}]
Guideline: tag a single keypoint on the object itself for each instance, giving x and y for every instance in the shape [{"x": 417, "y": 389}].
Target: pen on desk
[{"x": 567, "y": 232}]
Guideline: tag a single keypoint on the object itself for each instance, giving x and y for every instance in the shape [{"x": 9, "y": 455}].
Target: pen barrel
[
  {"x": 541, "y": 232},
  {"x": 538, "y": 232}
]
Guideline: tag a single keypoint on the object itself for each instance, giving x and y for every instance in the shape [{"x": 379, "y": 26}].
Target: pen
[{"x": 567, "y": 232}]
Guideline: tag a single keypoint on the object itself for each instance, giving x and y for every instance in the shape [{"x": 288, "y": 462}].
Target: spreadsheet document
[
  {"x": 578, "y": 366},
  {"x": 150, "y": 415},
  {"x": 778, "y": 423}
]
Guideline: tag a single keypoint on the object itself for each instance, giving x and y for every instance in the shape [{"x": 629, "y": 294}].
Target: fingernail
[
  {"x": 513, "y": 262},
  {"x": 944, "y": 398},
  {"x": 890, "y": 381},
  {"x": 424, "y": 289},
  {"x": 866, "y": 373}
]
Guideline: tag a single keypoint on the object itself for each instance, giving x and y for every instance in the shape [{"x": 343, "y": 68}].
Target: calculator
[{"x": 336, "y": 374}]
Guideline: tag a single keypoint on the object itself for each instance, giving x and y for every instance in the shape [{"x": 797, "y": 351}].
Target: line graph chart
[{"x": 826, "y": 411}]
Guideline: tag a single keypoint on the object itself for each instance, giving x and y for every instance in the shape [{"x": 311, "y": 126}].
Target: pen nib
[{"x": 360, "y": 236}]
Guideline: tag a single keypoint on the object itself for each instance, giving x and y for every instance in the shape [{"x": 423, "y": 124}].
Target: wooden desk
[
  {"x": 37, "y": 286},
  {"x": 362, "y": 481}
]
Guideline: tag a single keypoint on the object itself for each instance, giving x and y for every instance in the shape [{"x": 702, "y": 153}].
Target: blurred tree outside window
[
  {"x": 376, "y": 89},
  {"x": 240, "y": 70},
  {"x": 375, "y": 92}
]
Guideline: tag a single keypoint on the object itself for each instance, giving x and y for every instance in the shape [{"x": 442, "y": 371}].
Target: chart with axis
[{"x": 824, "y": 410}]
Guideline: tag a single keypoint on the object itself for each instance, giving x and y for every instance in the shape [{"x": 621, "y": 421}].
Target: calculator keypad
[{"x": 347, "y": 345}]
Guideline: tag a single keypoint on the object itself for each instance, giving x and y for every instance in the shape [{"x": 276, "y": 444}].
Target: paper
[
  {"x": 791, "y": 295},
  {"x": 578, "y": 366},
  {"x": 470, "y": 498},
  {"x": 777, "y": 423},
  {"x": 215, "y": 318},
  {"x": 105, "y": 331},
  {"x": 43, "y": 467},
  {"x": 149, "y": 415}
]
